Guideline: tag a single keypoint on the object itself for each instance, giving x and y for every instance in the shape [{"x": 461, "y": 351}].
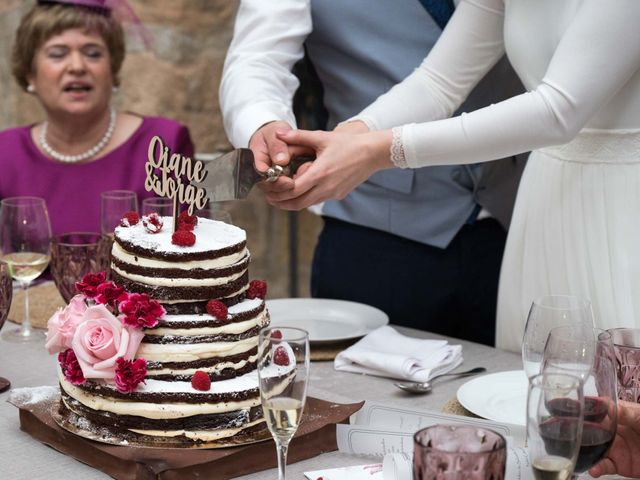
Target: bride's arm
[{"x": 597, "y": 55}]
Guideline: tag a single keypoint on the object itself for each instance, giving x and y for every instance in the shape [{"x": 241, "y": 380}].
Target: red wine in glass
[
  {"x": 595, "y": 410},
  {"x": 596, "y": 440}
]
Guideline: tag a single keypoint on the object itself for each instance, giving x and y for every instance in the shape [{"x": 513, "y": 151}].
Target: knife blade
[{"x": 232, "y": 176}]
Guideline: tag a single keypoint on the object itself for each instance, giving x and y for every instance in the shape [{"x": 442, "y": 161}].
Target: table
[{"x": 29, "y": 365}]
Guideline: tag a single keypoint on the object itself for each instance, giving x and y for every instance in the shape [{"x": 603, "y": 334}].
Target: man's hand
[
  {"x": 623, "y": 456},
  {"x": 269, "y": 150}
]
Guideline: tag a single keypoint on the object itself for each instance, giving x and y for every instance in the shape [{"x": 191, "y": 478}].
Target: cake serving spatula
[{"x": 232, "y": 175}]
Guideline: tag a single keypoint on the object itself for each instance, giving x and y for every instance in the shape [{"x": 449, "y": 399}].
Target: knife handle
[{"x": 289, "y": 170}]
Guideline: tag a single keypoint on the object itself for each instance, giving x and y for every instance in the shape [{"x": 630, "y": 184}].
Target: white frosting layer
[
  {"x": 232, "y": 328},
  {"x": 210, "y": 235},
  {"x": 121, "y": 254},
  {"x": 191, "y": 352},
  {"x": 178, "y": 282},
  {"x": 204, "y": 435},
  {"x": 167, "y": 410}
]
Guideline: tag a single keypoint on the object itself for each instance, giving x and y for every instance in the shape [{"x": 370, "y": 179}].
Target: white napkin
[{"x": 387, "y": 353}]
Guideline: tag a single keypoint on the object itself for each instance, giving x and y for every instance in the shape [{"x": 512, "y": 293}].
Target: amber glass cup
[
  {"x": 73, "y": 255},
  {"x": 455, "y": 452}
]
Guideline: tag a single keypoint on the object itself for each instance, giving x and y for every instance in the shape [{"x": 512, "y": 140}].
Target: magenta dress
[{"x": 72, "y": 191}]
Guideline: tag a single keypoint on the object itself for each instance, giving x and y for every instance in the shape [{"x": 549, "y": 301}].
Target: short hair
[{"x": 44, "y": 21}]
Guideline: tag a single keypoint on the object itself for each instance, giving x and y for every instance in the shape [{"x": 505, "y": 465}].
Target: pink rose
[
  {"x": 62, "y": 325},
  {"x": 100, "y": 339}
]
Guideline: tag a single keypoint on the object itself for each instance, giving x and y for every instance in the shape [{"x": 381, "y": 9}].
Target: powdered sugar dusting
[
  {"x": 21, "y": 397},
  {"x": 210, "y": 235}
]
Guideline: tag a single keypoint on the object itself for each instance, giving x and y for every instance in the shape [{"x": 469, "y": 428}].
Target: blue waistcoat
[{"x": 360, "y": 49}]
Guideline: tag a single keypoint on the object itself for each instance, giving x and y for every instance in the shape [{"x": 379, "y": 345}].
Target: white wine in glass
[
  {"x": 25, "y": 233},
  {"x": 283, "y": 372}
]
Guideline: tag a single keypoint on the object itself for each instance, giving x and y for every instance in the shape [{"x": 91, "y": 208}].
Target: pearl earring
[
  {"x": 31, "y": 88},
  {"x": 114, "y": 89}
]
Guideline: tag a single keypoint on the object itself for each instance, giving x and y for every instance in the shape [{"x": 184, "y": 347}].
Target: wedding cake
[{"x": 166, "y": 350}]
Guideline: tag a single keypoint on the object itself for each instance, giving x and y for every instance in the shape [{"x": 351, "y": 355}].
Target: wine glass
[
  {"x": 161, "y": 205},
  {"x": 73, "y": 255},
  {"x": 553, "y": 440},
  {"x": 217, "y": 214},
  {"x": 6, "y": 292},
  {"x": 113, "y": 205},
  {"x": 590, "y": 356},
  {"x": 546, "y": 313},
  {"x": 283, "y": 372},
  {"x": 25, "y": 233}
]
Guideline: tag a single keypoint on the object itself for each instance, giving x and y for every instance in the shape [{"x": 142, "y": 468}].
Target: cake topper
[{"x": 171, "y": 175}]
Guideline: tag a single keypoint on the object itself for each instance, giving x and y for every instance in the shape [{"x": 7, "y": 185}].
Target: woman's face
[{"x": 72, "y": 73}]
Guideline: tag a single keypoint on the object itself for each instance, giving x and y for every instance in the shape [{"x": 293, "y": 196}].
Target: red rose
[
  {"x": 129, "y": 373},
  {"x": 109, "y": 293},
  {"x": 88, "y": 286},
  {"x": 140, "y": 311},
  {"x": 70, "y": 367}
]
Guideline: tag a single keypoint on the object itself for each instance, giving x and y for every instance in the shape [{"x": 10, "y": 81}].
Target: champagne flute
[
  {"x": 553, "y": 441},
  {"x": 6, "y": 292},
  {"x": 283, "y": 372},
  {"x": 25, "y": 233},
  {"x": 546, "y": 313},
  {"x": 589, "y": 355},
  {"x": 113, "y": 205}
]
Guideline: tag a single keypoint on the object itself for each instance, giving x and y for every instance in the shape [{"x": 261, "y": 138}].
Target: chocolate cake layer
[
  {"x": 181, "y": 256},
  {"x": 224, "y": 374},
  {"x": 208, "y": 321},
  {"x": 181, "y": 308},
  {"x": 166, "y": 293},
  {"x": 176, "y": 339},
  {"x": 207, "y": 362},
  {"x": 181, "y": 272}
]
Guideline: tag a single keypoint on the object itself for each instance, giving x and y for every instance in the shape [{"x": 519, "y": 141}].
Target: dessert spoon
[{"x": 425, "y": 387}]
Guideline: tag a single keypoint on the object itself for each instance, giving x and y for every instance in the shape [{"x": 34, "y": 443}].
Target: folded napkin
[{"x": 387, "y": 353}]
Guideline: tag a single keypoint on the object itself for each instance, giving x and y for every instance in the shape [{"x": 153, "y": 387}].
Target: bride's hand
[{"x": 344, "y": 161}]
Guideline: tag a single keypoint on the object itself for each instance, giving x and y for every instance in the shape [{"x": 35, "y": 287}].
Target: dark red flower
[
  {"x": 257, "y": 289},
  {"x": 70, "y": 367},
  {"x": 88, "y": 286},
  {"x": 129, "y": 373},
  {"x": 140, "y": 311},
  {"x": 109, "y": 293}
]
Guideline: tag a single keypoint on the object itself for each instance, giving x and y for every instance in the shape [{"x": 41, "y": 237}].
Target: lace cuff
[{"x": 397, "y": 150}]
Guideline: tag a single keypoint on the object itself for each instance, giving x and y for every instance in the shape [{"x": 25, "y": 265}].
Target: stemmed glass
[
  {"x": 589, "y": 355},
  {"x": 546, "y": 313},
  {"x": 25, "y": 233},
  {"x": 283, "y": 372},
  {"x": 163, "y": 206},
  {"x": 6, "y": 292},
  {"x": 553, "y": 440}
]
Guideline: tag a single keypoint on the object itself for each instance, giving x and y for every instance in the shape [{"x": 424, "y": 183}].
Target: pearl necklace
[{"x": 82, "y": 156}]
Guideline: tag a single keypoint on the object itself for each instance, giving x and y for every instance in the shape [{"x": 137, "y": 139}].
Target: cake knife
[{"x": 232, "y": 175}]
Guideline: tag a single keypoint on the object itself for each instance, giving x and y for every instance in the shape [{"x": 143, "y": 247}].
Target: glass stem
[
  {"x": 282, "y": 449},
  {"x": 26, "y": 322}
]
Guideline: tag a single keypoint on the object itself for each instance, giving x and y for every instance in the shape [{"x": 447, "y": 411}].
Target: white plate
[
  {"x": 501, "y": 397},
  {"x": 326, "y": 320}
]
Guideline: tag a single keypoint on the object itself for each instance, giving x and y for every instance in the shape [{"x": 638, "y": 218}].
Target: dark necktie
[{"x": 440, "y": 10}]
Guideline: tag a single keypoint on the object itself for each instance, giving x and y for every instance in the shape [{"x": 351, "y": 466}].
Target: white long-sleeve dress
[{"x": 576, "y": 223}]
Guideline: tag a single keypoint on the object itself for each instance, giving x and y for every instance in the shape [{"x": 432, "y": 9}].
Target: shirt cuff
[{"x": 255, "y": 116}]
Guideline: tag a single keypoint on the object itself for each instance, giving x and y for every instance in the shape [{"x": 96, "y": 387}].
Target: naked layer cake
[{"x": 182, "y": 322}]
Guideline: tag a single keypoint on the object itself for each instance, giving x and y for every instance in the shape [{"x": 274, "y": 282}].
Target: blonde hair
[{"x": 44, "y": 21}]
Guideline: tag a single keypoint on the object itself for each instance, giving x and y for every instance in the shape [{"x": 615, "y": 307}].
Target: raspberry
[
  {"x": 183, "y": 238},
  {"x": 129, "y": 219},
  {"x": 277, "y": 334},
  {"x": 280, "y": 357},
  {"x": 185, "y": 218},
  {"x": 217, "y": 309},
  {"x": 186, "y": 226},
  {"x": 201, "y": 381},
  {"x": 257, "y": 289},
  {"x": 152, "y": 222}
]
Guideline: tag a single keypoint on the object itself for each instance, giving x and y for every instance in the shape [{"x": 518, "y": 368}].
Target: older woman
[{"x": 68, "y": 54}]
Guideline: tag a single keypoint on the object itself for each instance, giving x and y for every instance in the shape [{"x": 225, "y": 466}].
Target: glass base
[
  {"x": 4, "y": 384},
  {"x": 18, "y": 335}
]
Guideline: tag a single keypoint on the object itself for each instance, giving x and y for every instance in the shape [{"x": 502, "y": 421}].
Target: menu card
[{"x": 386, "y": 433}]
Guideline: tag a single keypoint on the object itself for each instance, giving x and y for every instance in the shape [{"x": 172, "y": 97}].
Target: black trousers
[{"x": 450, "y": 291}]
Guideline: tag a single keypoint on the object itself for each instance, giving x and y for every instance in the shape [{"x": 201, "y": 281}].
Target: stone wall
[{"x": 179, "y": 78}]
